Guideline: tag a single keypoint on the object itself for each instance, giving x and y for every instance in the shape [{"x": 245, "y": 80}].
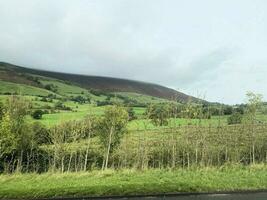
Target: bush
[
  {"x": 80, "y": 99},
  {"x": 235, "y": 118},
  {"x": 227, "y": 110},
  {"x": 103, "y": 103},
  {"x": 40, "y": 134},
  {"x": 37, "y": 114},
  {"x": 60, "y": 106},
  {"x": 131, "y": 114},
  {"x": 158, "y": 114},
  {"x": 51, "y": 87},
  {"x": 1, "y": 110}
]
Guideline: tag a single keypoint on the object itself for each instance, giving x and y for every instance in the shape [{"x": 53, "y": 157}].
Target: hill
[{"x": 27, "y": 76}]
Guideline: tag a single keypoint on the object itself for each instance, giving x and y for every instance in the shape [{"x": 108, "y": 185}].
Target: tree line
[{"x": 103, "y": 142}]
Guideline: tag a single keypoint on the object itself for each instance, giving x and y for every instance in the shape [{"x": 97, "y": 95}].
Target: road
[{"x": 228, "y": 196}]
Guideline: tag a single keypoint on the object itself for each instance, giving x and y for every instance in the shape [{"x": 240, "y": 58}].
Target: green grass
[
  {"x": 142, "y": 124},
  {"x": 142, "y": 98},
  {"x": 131, "y": 182},
  {"x": 66, "y": 89},
  {"x": 79, "y": 113},
  {"x": 8, "y": 87}
]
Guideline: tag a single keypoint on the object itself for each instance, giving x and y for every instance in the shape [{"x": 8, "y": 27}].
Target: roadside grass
[{"x": 131, "y": 182}]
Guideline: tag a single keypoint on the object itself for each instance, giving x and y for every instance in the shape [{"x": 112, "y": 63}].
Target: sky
[{"x": 212, "y": 49}]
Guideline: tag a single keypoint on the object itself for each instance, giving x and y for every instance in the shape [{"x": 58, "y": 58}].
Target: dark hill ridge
[{"x": 9, "y": 71}]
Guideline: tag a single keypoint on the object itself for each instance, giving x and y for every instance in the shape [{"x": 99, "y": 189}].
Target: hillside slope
[{"x": 17, "y": 74}]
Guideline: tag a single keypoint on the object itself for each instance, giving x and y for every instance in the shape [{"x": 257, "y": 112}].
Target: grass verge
[{"x": 131, "y": 182}]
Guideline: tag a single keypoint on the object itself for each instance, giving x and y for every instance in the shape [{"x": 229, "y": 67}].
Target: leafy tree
[
  {"x": 227, "y": 110},
  {"x": 37, "y": 114},
  {"x": 192, "y": 111},
  {"x": 40, "y": 134},
  {"x": 235, "y": 118},
  {"x": 16, "y": 133},
  {"x": 60, "y": 106},
  {"x": 80, "y": 99},
  {"x": 111, "y": 128},
  {"x": 1, "y": 110},
  {"x": 51, "y": 87},
  {"x": 254, "y": 104},
  {"x": 7, "y": 136},
  {"x": 159, "y": 114},
  {"x": 131, "y": 113}
]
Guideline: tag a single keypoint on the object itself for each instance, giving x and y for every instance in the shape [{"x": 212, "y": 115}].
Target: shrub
[
  {"x": 60, "y": 106},
  {"x": 51, "y": 87},
  {"x": 37, "y": 114},
  {"x": 131, "y": 114},
  {"x": 158, "y": 114},
  {"x": 40, "y": 134},
  {"x": 235, "y": 118}
]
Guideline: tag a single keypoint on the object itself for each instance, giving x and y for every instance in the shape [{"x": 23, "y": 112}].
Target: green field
[
  {"x": 8, "y": 87},
  {"x": 189, "y": 154},
  {"x": 131, "y": 182}
]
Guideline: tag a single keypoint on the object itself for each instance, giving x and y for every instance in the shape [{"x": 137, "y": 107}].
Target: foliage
[
  {"x": 158, "y": 114},
  {"x": 37, "y": 114},
  {"x": 111, "y": 128},
  {"x": 103, "y": 103},
  {"x": 7, "y": 136},
  {"x": 60, "y": 106},
  {"x": 131, "y": 113},
  {"x": 1, "y": 110},
  {"x": 227, "y": 110},
  {"x": 254, "y": 104},
  {"x": 235, "y": 118},
  {"x": 80, "y": 99},
  {"x": 195, "y": 111},
  {"x": 16, "y": 135},
  {"x": 41, "y": 134},
  {"x": 51, "y": 87}
]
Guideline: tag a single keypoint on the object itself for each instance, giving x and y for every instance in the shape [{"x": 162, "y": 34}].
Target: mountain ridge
[{"x": 102, "y": 83}]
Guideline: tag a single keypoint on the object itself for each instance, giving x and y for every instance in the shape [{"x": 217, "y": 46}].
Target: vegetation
[
  {"x": 132, "y": 142},
  {"x": 131, "y": 182},
  {"x": 37, "y": 114},
  {"x": 235, "y": 118},
  {"x": 111, "y": 129},
  {"x": 107, "y": 141}
]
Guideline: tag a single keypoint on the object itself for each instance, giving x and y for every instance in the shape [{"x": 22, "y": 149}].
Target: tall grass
[{"x": 130, "y": 182}]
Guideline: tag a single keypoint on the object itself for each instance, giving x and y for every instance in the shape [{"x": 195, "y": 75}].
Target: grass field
[
  {"x": 8, "y": 87},
  {"x": 130, "y": 182}
]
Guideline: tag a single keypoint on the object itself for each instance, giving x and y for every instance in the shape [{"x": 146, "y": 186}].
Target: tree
[
  {"x": 158, "y": 114},
  {"x": 1, "y": 110},
  {"x": 131, "y": 113},
  {"x": 7, "y": 136},
  {"x": 235, "y": 118},
  {"x": 16, "y": 135},
  {"x": 227, "y": 110},
  {"x": 111, "y": 128},
  {"x": 37, "y": 114},
  {"x": 40, "y": 134},
  {"x": 254, "y": 104}
]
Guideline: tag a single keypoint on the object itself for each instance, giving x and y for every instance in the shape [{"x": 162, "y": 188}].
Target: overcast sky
[{"x": 215, "y": 49}]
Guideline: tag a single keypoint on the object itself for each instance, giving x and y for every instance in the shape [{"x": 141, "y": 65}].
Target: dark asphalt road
[
  {"x": 255, "y": 196},
  {"x": 244, "y": 196},
  {"x": 228, "y": 196}
]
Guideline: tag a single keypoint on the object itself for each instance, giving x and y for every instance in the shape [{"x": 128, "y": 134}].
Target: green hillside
[{"x": 19, "y": 74}]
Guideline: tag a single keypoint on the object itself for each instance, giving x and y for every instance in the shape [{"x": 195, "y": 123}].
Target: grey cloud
[{"x": 171, "y": 43}]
